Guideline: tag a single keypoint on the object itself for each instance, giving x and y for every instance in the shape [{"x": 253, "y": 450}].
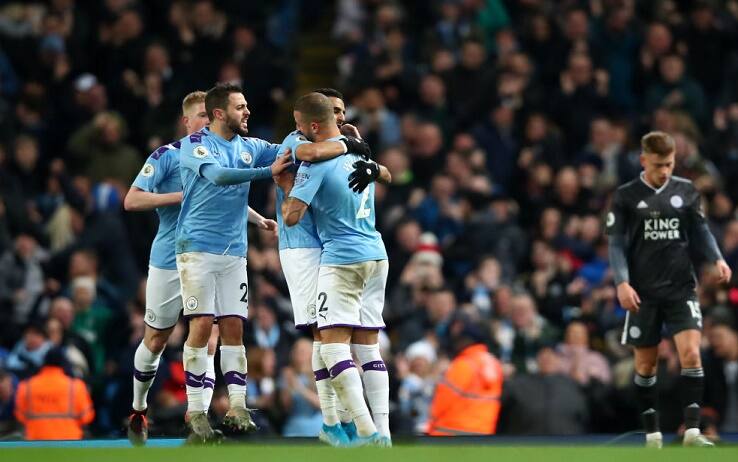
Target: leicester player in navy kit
[{"x": 656, "y": 224}]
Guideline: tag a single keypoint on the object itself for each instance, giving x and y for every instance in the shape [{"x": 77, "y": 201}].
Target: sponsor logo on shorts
[
  {"x": 150, "y": 316},
  {"x": 200, "y": 152},
  {"x": 147, "y": 170},
  {"x": 247, "y": 157},
  {"x": 634, "y": 332},
  {"x": 191, "y": 303}
]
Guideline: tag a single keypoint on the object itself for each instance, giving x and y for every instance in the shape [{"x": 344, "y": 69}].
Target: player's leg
[
  {"x": 643, "y": 331},
  {"x": 196, "y": 273},
  {"x": 300, "y": 268},
  {"x": 338, "y": 302},
  {"x": 685, "y": 321},
  {"x": 365, "y": 345},
  {"x": 232, "y": 309},
  {"x": 163, "y": 304},
  {"x": 209, "y": 383}
]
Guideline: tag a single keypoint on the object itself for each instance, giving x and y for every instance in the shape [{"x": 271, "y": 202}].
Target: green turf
[{"x": 290, "y": 453}]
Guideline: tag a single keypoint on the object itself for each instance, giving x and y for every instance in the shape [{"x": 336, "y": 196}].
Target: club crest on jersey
[
  {"x": 200, "y": 152},
  {"x": 676, "y": 201},
  {"x": 247, "y": 157},
  {"x": 191, "y": 303},
  {"x": 147, "y": 170}
]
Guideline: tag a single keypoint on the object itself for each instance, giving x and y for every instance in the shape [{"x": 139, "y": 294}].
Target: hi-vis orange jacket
[
  {"x": 53, "y": 406},
  {"x": 467, "y": 399}
]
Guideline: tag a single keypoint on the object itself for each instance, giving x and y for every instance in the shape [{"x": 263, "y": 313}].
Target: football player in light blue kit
[
  {"x": 299, "y": 252},
  {"x": 159, "y": 186},
  {"x": 353, "y": 264},
  {"x": 216, "y": 165}
]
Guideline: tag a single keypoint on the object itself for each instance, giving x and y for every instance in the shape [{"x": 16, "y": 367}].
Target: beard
[{"x": 235, "y": 125}]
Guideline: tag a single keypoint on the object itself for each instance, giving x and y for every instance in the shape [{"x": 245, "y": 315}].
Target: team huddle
[
  {"x": 333, "y": 258},
  {"x": 335, "y": 265}
]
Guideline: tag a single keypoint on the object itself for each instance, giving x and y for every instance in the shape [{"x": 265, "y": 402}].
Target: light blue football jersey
[
  {"x": 213, "y": 218},
  {"x": 345, "y": 220},
  {"x": 160, "y": 174},
  {"x": 303, "y": 235}
]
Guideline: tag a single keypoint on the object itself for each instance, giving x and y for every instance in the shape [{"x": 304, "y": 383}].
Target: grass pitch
[{"x": 400, "y": 453}]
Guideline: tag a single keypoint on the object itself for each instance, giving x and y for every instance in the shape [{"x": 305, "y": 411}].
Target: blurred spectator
[
  {"x": 298, "y": 394},
  {"x": 27, "y": 356},
  {"x": 721, "y": 377},
  {"x": 91, "y": 319},
  {"x": 100, "y": 151},
  {"x": 531, "y": 333},
  {"x": 21, "y": 281},
  {"x": 578, "y": 360},
  {"x": 417, "y": 387},
  {"x": 675, "y": 90},
  {"x": 545, "y": 403}
]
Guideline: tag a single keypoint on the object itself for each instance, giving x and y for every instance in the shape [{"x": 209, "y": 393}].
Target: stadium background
[{"x": 506, "y": 126}]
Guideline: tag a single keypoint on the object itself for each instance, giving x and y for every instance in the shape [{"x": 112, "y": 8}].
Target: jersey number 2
[
  {"x": 363, "y": 211},
  {"x": 245, "y": 288}
]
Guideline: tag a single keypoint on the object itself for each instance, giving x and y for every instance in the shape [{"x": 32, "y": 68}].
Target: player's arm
[
  {"x": 616, "y": 226},
  {"x": 325, "y": 150},
  {"x": 260, "y": 221},
  {"x": 293, "y": 210},
  {"x": 306, "y": 184},
  {"x": 224, "y": 176},
  {"x": 138, "y": 200},
  {"x": 141, "y": 195},
  {"x": 702, "y": 239}
]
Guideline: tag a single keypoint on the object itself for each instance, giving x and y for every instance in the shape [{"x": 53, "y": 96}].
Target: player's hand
[
  {"x": 350, "y": 130},
  {"x": 281, "y": 163},
  {"x": 364, "y": 173},
  {"x": 269, "y": 225},
  {"x": 628, "y": 297},
  {"x": 357, "y": 146},
  {"x": 724, "y": 272}
]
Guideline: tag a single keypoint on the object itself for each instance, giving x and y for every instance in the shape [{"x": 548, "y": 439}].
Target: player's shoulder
[
  {"x": 682, "y": 182},
  {"x": 167, "y": 150},
  {"x": 629, "y": 186}
]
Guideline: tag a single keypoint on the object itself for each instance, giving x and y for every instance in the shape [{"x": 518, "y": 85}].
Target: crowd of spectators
[{"x": 506, "y": 126}]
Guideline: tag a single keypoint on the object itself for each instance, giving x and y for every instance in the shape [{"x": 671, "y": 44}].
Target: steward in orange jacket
[
  {"x": 52, "y": 405},
  {"x": 467, "y": 399}
]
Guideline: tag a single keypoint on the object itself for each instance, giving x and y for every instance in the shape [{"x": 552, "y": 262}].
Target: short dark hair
[
  {"x": 659, "y": 143},
  {"x": 330, "y": 92},
  {"x": 315, "y": 106},
  {"x": 217, "y": 97}
]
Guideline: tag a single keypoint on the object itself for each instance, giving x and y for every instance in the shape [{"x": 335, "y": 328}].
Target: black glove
[
  {"x": 363, "y": 174},
  {"x": 357, "y": 146}
]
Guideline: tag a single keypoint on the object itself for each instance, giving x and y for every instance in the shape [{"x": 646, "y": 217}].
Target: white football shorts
[
  {"x": 163, "y": 298},
  {"x": 300, "y": 268},
  {"x": 352, "y": 295},
  {"x": 213, "y": 285}
]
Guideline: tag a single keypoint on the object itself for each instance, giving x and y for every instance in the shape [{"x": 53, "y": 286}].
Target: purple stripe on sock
[
  {"x": 142, "y": 376},
  {"x": 208, "y": 383},
  {"x": 340, "y": 367},
  {"x": 322, "y": 374},
  {"x": 234, "y": 378},
  {"x": 193, "y": 380},
  {"x": 377, "y": 366}
]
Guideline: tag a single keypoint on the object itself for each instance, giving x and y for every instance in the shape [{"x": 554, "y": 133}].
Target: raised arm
[{"x": 325, "y": 150}]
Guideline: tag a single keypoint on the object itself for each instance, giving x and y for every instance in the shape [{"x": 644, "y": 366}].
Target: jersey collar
[{"x": 657, "y": 191}]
